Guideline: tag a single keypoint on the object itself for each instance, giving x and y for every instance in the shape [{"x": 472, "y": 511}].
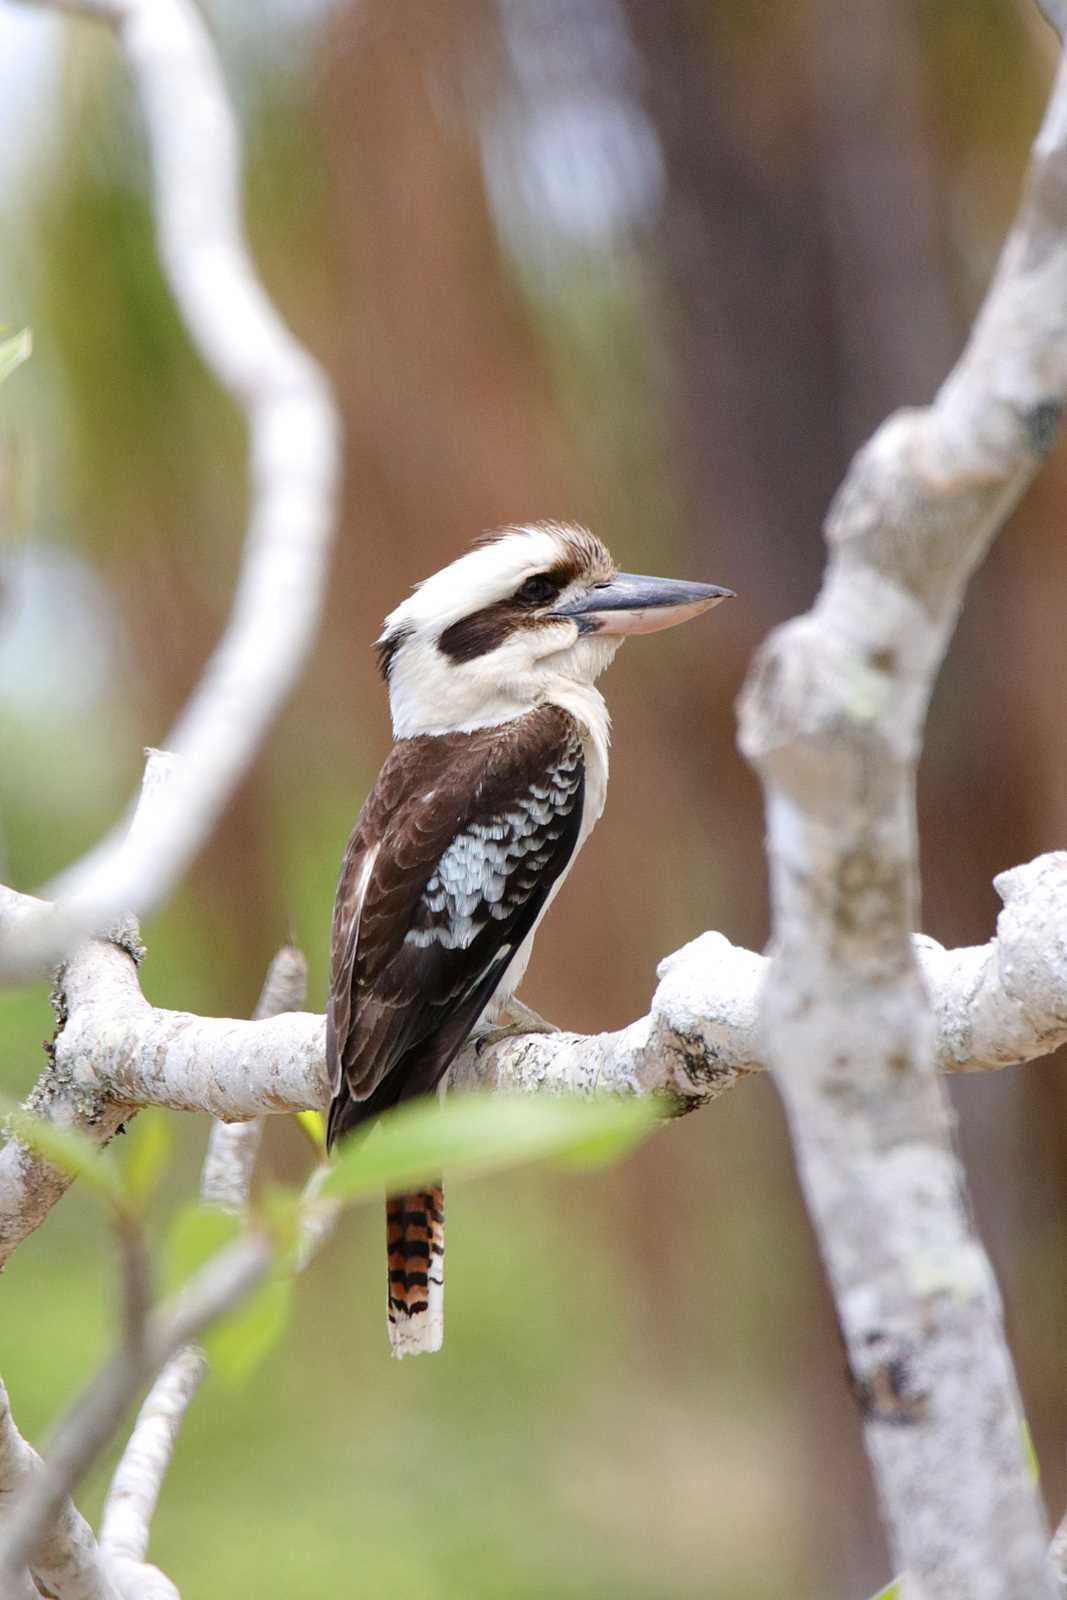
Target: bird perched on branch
[{"x": 494, "y": 783}]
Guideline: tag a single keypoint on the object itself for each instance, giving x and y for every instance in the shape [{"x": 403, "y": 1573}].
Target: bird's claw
[{"x": 517, "y": 1019}]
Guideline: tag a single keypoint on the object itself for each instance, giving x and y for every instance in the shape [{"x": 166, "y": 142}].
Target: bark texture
[{"x": 832, "y": 717}]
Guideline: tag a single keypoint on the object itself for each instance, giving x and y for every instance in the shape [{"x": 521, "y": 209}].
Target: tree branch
[
  {"x": 67, "y": 1558},
  {"x": 225, "y": 1182},
  {"x": 996, "y": 1004},
  {"x": 832, "y": 717},
  {"x": 233, "y": 1146},
  {"x": 220, "y": 1285},
  {"x": 30, "y": 1186},
  {"x": 138, "y": 1478},
  {"x": 294, "y": 461},
  {"x": 999, "y": 1003}
]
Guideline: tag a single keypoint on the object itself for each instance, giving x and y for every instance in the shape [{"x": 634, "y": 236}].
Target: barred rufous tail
[{"x": 415, "y": 1237}]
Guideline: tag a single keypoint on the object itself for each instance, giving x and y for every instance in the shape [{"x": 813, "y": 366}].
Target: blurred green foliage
[{"x": 13, "y": 352}]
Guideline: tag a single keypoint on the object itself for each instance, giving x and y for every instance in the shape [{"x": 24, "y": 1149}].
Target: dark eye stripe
[
  {"x": 476, "y": 635},
  {"x": 484, "y": 630}
]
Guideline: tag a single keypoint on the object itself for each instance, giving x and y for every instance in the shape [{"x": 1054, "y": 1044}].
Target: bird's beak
[{"x": 629, "y": 604}]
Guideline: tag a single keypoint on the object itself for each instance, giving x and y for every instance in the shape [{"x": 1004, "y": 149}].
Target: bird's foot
[{"x": 515, "y": 1018}]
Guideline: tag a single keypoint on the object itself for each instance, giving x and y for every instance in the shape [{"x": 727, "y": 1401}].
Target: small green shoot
[{"x": 313, "y": 1124}]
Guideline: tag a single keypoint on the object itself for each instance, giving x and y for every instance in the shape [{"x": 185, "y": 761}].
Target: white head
[{"x": 529, "y": 616}]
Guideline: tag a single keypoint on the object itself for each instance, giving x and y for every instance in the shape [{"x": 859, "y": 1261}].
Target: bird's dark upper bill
[{"x": 629, "y": 604}]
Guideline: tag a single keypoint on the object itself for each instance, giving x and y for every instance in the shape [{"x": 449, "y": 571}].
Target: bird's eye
[{"x": 537, "y": 591}]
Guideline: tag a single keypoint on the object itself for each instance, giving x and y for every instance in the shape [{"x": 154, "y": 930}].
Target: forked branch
[{"x": 832, "y": 717}]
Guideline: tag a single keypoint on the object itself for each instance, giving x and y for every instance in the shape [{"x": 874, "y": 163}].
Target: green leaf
[
  {"x": 13, "y": 352},
  {"x": 70, "y": 1151},
  {"x": 890, "y": 1592},
  {"x": 476, "y": 1133},
  {"x": 314, "y": 1125},
  {"x": 238, "y": 1343},
  {"x": 148, "y": 1150},
  {"x": 1033, "y": 1466},
  {"x": 194, "y": 1236},
  {"x": 603, "y": 1149}
]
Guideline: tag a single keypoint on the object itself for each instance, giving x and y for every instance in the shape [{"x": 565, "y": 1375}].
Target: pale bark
[
  {"x": 995, "y": 1004},
  {"x": 832, "y": 717},
  {"x": 66, "y": 1558},
  {"x": 233, "y": 1146},
  {"x": 138, "y": 1478},
  {"x": 219, "y": 1286},
  {"x": 294, "y": 460},
  {"x": 30, "y": 1186},
  {"x": 225, "y": 1182}
]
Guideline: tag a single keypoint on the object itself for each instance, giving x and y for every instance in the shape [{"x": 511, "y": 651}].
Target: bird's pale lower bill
[{"x": 632, "y": 604}]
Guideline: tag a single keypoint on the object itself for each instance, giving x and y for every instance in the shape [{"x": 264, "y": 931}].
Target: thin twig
[
  {"x": 135, "y": 1487},
  {"x": 233, "y": 1146},
  {"x": 136, "y": 1282},
  {"x": 318, "y": 1217}
]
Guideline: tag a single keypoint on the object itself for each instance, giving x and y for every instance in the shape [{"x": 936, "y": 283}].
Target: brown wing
[{"x": 446, "y": 872}]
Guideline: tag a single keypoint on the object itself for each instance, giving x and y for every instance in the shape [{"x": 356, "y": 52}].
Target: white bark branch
[
  {"x": 832, "y": 717},
  {"x": 995, "y": 1004},
  {"x": 225, "y": 1182},
  {"x": 999, "y": 1003},
  {"x": 233, "y": 1146},
  {"x": 135, "y": 1486},
  {"x": 66, "y": 1558},
  {"x": 29, "y": 1185},
  {"x": 294, "y": 461},
  {"x": 219, "y": 1286}
]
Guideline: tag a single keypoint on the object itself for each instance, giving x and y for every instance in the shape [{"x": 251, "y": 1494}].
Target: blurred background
[{"x": 654, "y": 265}]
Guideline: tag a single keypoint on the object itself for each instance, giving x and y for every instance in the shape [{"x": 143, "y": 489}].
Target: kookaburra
[{"x": 494, "y": 783}]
